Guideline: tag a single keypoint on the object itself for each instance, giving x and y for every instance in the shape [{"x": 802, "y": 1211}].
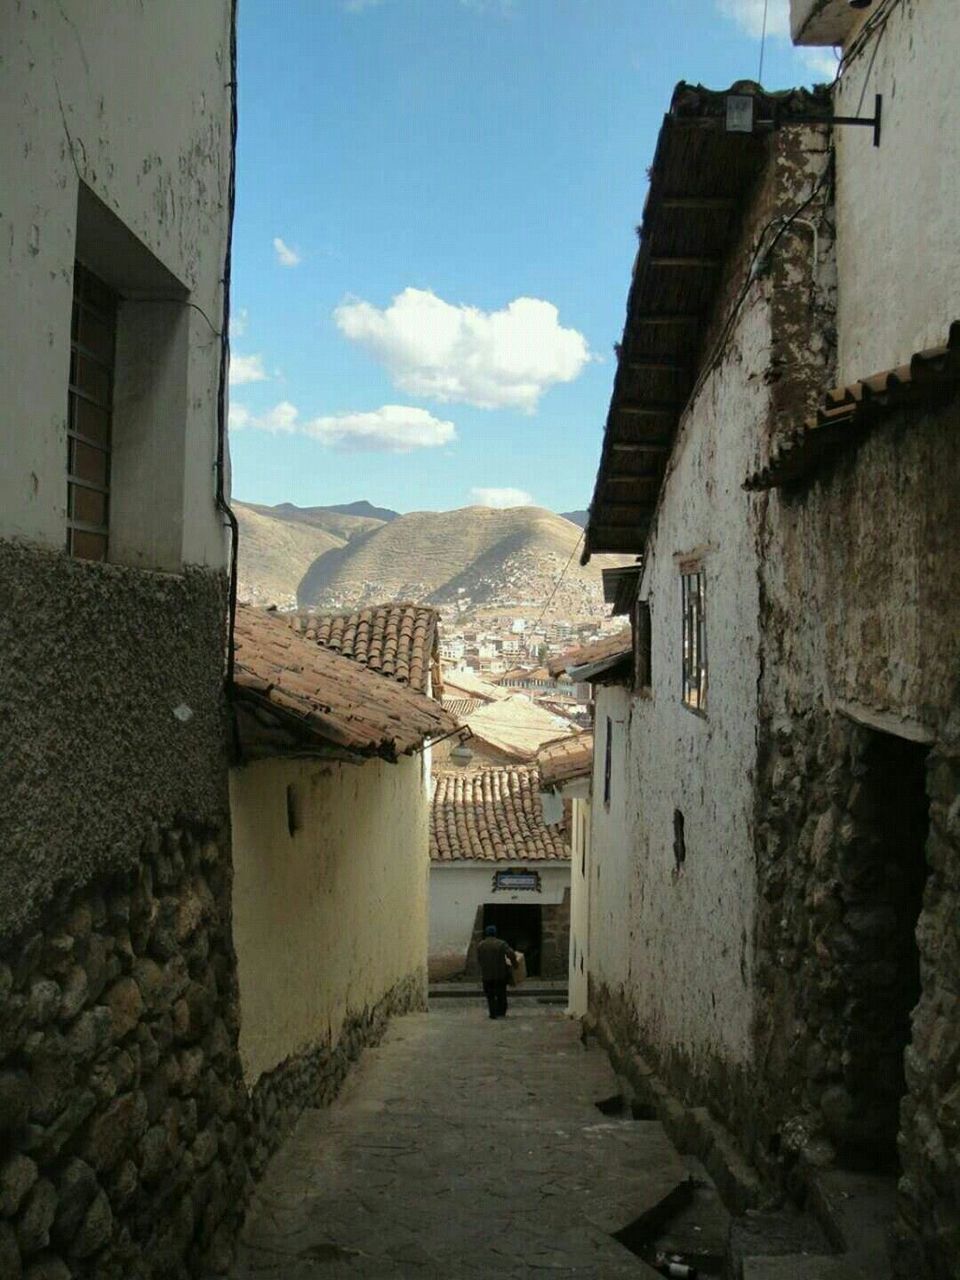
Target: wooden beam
[
  {"x": 657, "y": 364},
  {"x": 685, "y": 262},
  {"x": 679, "y": 317},
  {"x": 698, "y": 202},
  {"x": 653, "y": 410},
  {"x": 618, "y": 540},
  {"x": 653, "y": 446}
]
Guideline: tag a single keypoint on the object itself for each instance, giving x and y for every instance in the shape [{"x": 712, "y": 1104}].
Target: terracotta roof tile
[
  {"x": 296, "y": 696},
  {"x": 395, "y": 640},
  {"x": 845, "y": 413},
  {"x": 492, "y": 815},
  {"x": 566, "y": 759},
  {"x": 607, "y": 647}
]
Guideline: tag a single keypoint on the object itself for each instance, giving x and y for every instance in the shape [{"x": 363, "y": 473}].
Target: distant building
[{"x": 493, "y": 860}]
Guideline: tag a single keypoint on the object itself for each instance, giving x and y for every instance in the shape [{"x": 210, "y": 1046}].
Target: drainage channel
[{"x": 683, "y": 1235}]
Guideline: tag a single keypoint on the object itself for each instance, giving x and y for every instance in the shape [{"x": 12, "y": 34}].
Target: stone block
[
  {"x": 113, "y": 1133},
  {"x": 126, "y": 1006},
  {"x": 95, "y": 1230},
  {"x": 14, "y": 1100},
  {"x": 17, "y": 1176},
  {"x": 10, "y": 1266},
  {"x": 36, "y": 1218},
  {"x": 43, "y": 1001},
  {"x": 48, "y": 1267},
  {"x": 77, "y": 1187}
]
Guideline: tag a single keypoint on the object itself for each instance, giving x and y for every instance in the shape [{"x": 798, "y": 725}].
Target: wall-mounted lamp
[{"x": 741, "y": 116}]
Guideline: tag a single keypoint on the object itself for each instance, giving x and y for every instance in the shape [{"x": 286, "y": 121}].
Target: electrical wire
[
  {"x": 556, "y": 585},
  {"x": 763, "y": 40}
]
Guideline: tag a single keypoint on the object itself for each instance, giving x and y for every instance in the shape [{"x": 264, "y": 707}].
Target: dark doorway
[
  {"x": 884, "y": 874},
  {"x": 519, "y": 925}
]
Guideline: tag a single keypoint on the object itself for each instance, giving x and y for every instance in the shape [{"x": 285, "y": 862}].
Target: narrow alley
[{"x": 462, "y": 1149}]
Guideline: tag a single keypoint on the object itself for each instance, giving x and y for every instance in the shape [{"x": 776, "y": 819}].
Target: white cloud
[
  {"x": 748, "y": 14},
  {"x": 501, "y": 498},
  {"x": 393, "y": 428},
  {"x": 245, "y": 369},
  {"x": 238, "y": 322},
  {"x": 286, "y": 256},
  {"x": 445, "y": 352}
]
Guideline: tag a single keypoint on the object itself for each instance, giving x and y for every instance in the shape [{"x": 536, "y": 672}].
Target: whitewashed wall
[
  {"x": 457, "y": 889},
  {"x": 328, "y": 920},
  {"x": 75, "y": 106},
  {"x": 897, "y": 219},
  {"x": 580, "y": 872}
]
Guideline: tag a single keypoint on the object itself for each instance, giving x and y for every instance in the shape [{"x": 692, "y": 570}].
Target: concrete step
[{"x": 471, "y": 991}]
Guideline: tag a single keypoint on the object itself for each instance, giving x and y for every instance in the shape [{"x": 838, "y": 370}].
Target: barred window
[
  {"x": 89, "y": 412},
  {"x": 694, "y": 688}
]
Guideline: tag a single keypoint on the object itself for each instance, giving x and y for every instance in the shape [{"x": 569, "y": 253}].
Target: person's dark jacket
[{"x": 492, "y": 954}]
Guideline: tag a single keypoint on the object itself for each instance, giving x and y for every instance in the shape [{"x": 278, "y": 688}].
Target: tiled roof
[
  {"x": 464, "y": 684},
  {"x": 493, "y": 815},
  {"x": 461, "y": 707},
  {"x": 597, "y": 651},
  {"x": 395, "y": 640},
  {"x": 701, "y": 177},
  {"x": 296, "y": 697},
  {"x": 517, "y": 727},
  {"x": 846, "y": 413},
  {"x": 566, "y": 759}
]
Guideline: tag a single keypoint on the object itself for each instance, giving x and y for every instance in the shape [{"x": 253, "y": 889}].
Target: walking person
[{"x": 494, "y": 955}]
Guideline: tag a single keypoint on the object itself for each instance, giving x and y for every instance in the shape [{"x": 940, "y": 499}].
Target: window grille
[
  {"x": 89, "y": 412},
  {"x": 694, "y": 689}
]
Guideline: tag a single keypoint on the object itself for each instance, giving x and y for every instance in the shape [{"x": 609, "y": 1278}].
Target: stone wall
[
  {"x": 313, "y": 1078},
  {"x": 122, "y": 1105},
  {"x": 858, "y": 834},
  {"x": 555, "y": 939}
]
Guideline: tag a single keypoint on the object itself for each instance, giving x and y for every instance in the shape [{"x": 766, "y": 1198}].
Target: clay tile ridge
[
  {"x": 930, "y": 377},
  {"x": 296, "y": 696},
  {"x": 395, "y": 640},
  {"x": 492, "y": 815}
]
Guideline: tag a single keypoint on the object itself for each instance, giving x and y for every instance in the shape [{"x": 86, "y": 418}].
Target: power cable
[
  {"x": 556, "y": 585},
  {"x": 763, "y": 40}
]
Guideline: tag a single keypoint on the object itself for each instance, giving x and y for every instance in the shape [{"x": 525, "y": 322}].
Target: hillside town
[{"x": 297, "y": 800}]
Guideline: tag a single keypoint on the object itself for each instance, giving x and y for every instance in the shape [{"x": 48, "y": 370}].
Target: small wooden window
[
  {"x": 89, "y": 410},
  {"x": 694, "y": 689}
]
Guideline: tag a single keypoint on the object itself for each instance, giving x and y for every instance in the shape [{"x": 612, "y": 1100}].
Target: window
[
  {"x": 694, "y": 689},
  {"x": 641, "y": 645},
  {"x": 93, "y": 337},
  {"x": 607, "y": 763}
]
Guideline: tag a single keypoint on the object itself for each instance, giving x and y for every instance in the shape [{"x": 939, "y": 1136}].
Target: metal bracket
[{"x": 740, "y": 117}]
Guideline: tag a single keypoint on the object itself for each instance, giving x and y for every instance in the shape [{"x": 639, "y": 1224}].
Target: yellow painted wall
[{"x": 325, "y": 921}]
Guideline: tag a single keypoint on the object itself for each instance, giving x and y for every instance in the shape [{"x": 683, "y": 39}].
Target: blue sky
[{"x": 435, "y": 226}]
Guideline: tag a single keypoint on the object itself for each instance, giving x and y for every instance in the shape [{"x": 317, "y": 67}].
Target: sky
[{"x": 436, "y": 217}]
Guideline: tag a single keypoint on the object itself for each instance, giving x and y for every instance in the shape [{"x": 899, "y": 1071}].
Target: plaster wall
[
  {"x": 132, "y": 101},
  {"x": 331, "y": 918},
  {"x": 897, "y": 228},
  {"x": 684, "y": 961},
  {"x": 458, "y": 889}
]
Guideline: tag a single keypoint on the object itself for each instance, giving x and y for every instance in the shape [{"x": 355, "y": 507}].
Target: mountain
[
  {"x": 476, "y": 555},
  {"x": 579, "y": 518},
  {"x": 343, "y": 522},
  {"x": 275, "y": 553},
  {"x": 364, "y": 509}
]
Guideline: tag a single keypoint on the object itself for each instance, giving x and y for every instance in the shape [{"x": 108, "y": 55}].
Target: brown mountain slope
[
  {"x": 342, "y": 524},
  {"x": 275, "y": 554},
  {"x": 477, "y": 555}
]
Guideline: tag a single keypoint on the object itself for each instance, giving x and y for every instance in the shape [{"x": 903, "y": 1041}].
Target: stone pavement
[{"x": 460, "y": 1148}]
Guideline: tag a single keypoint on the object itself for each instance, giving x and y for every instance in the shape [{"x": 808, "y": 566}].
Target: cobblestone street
[{"x": 459, "y": 1148}]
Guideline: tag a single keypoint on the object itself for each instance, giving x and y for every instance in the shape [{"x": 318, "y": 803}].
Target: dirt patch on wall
[{"x": 113, "y": 717}]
